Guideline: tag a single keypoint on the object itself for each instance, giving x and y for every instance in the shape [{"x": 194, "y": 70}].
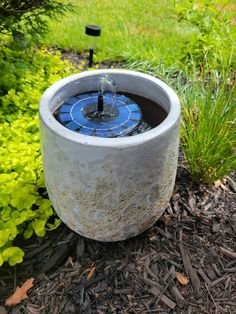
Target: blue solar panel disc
[
  {"x": 65, "y": 117},
  {"x": 65, "y": 109},
  {"x": 71, "y": 101},
  {"x": 72, "y": 125},
  {"x": 126, "y": 115}
]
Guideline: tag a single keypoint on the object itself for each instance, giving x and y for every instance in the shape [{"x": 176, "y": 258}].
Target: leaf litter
[{"x": 20, "y": 293}]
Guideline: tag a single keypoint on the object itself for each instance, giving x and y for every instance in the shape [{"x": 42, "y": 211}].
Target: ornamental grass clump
[{"x": 208, "y": 128}]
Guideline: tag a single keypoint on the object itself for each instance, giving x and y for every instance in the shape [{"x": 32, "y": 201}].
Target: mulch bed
[
  {"x": 194, "y": 237},
  {"x": 194, "y": 240}
]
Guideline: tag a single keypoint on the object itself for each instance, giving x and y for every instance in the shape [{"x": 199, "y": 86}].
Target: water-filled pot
[{"x": 110, "y": 189}]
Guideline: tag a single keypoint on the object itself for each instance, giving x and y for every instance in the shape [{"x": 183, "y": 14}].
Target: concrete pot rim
[{"x": 48, "y": 119}]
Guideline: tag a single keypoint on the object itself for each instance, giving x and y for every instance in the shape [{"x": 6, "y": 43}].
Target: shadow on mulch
[{"x": 194, "y": 237}]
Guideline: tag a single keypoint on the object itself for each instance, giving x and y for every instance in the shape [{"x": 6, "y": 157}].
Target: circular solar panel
[{"x": 75, "y": 114}]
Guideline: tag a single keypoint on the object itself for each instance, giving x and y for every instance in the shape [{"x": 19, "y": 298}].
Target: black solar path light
[{"x": 93, "y": 31}]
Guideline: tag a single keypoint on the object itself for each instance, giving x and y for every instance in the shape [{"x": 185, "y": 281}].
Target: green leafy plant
[
  {"x": 212, "y": 42},
  {"x": 27, "y": 17},
  {"x": 24, "y": 206},
  {"x": 208, "y": 126}
]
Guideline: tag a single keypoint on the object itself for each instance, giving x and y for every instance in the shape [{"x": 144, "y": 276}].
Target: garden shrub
[
  {"x": 26, "y": 18},
  {"x": 24, "y": 206},
  {"x": 212, "y": 43}
]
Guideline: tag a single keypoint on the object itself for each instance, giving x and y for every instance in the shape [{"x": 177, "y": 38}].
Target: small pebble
[
  {"x": 216, "y": 227},
  {"x": 3, "y": 310}
]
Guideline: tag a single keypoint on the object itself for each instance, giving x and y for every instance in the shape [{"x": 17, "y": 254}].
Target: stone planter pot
[{"x": 110, "y": 189}]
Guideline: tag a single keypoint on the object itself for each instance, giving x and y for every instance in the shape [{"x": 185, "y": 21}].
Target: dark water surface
[{"x": 152, "y": 113}]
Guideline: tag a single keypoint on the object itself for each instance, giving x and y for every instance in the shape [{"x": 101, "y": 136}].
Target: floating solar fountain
[
  {"x": 103, "y": 114},
  {"x": 110, "y": 147}
]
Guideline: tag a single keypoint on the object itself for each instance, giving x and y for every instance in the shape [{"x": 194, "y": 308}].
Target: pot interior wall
[{"x": 125, "y": 83}]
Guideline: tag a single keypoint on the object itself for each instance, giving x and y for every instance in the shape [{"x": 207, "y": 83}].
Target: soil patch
[{"x": 81, "y": 60}]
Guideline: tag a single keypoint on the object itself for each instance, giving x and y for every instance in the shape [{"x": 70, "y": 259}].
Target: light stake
[{"x": 93, "y": 31}]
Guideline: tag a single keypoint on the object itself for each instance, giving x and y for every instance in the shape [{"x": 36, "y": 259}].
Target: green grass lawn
[{"x": 131, "y": 30}]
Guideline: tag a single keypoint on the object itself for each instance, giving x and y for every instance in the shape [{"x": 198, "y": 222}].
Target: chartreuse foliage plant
[
  {"x": 208, "y": 126},
  {"x": 24, "y": 206}
]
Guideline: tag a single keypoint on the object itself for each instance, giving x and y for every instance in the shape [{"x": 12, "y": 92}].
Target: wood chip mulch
[{"x": 185, "y": 263}]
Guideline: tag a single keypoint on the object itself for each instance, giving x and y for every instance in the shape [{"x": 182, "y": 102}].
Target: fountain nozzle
[{"x": 100, "y": 107}]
